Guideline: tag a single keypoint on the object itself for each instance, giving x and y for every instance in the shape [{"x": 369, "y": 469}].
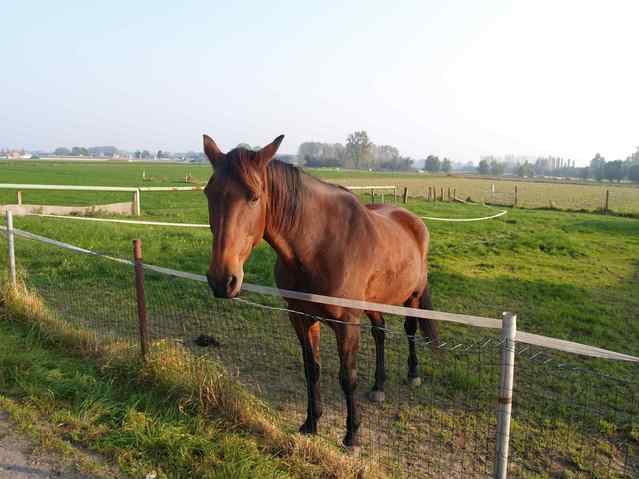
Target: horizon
[{"x": 452, "y": 79}]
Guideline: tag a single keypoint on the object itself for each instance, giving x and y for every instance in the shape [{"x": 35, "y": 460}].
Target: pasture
[
  {"x": 531, "y": 194},
  {"x": 568, "y": 275}
]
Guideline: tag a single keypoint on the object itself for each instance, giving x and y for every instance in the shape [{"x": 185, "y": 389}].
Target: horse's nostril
[{"x": 231, "y": 283}]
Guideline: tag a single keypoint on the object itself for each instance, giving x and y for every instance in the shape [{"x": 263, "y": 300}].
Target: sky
[{"x": 452, "y": 78}]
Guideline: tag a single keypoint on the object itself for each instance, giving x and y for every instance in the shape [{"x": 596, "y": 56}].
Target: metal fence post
[
  {"x": 11, "y": 248},
  {"x": 139, "y": 293},
  {"x": 508, "y": 332}
]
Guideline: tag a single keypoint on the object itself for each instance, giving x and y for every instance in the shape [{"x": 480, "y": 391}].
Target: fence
[
  {"x": 572, "y": 416},
  {"x": 598, "y": 197}
]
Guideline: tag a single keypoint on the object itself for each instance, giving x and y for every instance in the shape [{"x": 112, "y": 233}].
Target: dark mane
[
  {"x": 286, "y": 183},
  {"x": 287, "y": 190}
]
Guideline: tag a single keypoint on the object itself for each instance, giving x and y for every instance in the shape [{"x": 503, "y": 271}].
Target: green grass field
[
  {"x": 568, "y": 275},
  {"x": 531, "y": 194}
]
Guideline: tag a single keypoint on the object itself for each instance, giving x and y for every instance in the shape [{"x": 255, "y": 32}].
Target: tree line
[
  {"x": 358, "y": 153},
  {"x": 599, "y": 169}
]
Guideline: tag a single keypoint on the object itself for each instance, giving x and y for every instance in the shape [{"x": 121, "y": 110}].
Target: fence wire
[{"x": 572, "y": 417}]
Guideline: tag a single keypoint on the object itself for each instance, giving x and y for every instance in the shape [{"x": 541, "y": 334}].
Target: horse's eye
[{"x": 253, "y": 199}]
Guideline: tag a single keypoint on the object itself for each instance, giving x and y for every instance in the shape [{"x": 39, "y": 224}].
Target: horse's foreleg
[
  {"x": 308, "y": 333},
  {"x": 348, "y": 336},
  {"x": 377, "y": 321}
]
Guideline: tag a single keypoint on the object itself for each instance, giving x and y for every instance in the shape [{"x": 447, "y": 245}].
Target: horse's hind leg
[
  {"x": 428, "y": 327},
  {"x": 410, "y": 326},
  {"x": 377, "y": 330},
  {"x": 308, "y": 333}
]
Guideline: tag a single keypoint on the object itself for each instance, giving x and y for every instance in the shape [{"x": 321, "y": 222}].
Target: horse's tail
[{"x": 428, "y": 326}]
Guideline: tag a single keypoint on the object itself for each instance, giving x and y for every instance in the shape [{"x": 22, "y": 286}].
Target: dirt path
[{"x": 19, "y": 459}]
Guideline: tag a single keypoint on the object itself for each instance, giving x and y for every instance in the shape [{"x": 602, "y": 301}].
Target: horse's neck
[{"x": 296, "y": 242}]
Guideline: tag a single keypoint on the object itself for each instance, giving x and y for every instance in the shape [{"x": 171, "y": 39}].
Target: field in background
[{"x": 531, "y": 194}]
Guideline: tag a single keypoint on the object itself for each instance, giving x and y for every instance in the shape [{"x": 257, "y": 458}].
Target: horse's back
[{"x": 390, "y": 217}]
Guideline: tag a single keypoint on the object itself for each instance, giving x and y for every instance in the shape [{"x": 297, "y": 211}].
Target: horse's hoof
[
  {"x": 307, "y": 428},
  {"x": 376, "y": 396},
  {"x": 415, "y": 382},
  {"x": 351, "y": 445}
]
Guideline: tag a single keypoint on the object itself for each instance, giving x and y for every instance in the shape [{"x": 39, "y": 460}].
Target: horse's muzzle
[{"x": 227, "y": 288}]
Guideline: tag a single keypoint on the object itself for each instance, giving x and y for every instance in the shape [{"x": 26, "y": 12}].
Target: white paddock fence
[
  {"x": 136, "y": 193},
  {"x": 512, "y": 347}
]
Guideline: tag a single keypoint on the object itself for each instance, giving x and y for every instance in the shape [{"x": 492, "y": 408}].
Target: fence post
[
  {"x": 135, "y": 206},
  {"x": 405, "y": 198},
  {"x": 394, "y": 193},
  {"x": 508, "y": 332},
  {"x": 11, "y": 248},
  {"x": 607, "y": 201},
  {"x": 372, "y": 195},
  {"x": 515, "y": 204},
  {"x": 18, "y": 197},
  {"x": 139, "y": 293}
]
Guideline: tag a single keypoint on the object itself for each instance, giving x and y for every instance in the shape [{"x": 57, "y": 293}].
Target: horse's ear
[
  {"x": 267, "y": 153},
  {"x": 213, "y": 153}
]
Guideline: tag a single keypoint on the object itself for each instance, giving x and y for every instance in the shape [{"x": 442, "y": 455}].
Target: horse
[{"x": 327, "y": 242}]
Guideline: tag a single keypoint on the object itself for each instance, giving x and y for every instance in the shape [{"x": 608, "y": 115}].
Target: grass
[
  {"x": 531, "y": 194},
  {"x": 68, "y": 388},
  {"x": 569, "y": 275}
]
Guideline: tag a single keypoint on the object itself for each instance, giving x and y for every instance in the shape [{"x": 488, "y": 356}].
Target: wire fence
[{"x": 572, "y": 416}]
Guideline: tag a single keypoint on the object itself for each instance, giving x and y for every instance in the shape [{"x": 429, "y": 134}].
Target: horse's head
[{"x": 238, "y": 198}]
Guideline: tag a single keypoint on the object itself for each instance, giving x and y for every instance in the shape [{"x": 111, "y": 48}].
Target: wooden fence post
[
  {"x": 139, "y": 293},
  {"x": 515, "y": 204},
  {"x": 11, "y": 248},
  {"x": 607, "y": 201},
  {"x": 135, "y": 205},
  {"x": 508, "y": 333},
  {"x": 405, "y": 198},
  {"x": 454, "y": 194},
  {"x": 372, "y": 195},
  {"x": 441, "y": 194},
  {"x": 18, "y": 197}
]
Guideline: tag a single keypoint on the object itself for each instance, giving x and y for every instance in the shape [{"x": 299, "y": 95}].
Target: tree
[
  {"x": 584, "y": 173},
  {"x": 432, "y": 164},
  {"x": 613, "y": 170},
  {"x": 525, "y": 170},
  {"x": 496, "y": 168},
  {"x": 146, "y": 155},
  {"x": 359, "y": 149},
  {"x": 79, "y": 151},
  {"x": 597, "y": 167},
  {"x": 633, "y": 172},
  {"x": 446, "y": 165},
  {"x": 484, "y": 167},
  {"x": 62, "y": 151}
]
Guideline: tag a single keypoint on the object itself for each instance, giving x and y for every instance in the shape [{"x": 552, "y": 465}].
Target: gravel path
[{"x": 19, "y": 459}]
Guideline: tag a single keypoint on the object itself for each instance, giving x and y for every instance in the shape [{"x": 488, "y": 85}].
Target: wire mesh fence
[{"x": 572, "y": 417}]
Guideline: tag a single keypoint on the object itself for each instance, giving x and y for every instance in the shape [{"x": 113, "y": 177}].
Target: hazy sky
[{"x": 455, "y": 78}]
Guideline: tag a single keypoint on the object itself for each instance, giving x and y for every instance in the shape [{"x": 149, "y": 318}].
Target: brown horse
[{"x": 327, "y": 243}]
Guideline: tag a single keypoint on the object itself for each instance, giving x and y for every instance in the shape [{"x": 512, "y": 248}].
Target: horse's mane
[{"x": 286, "y": 182}]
